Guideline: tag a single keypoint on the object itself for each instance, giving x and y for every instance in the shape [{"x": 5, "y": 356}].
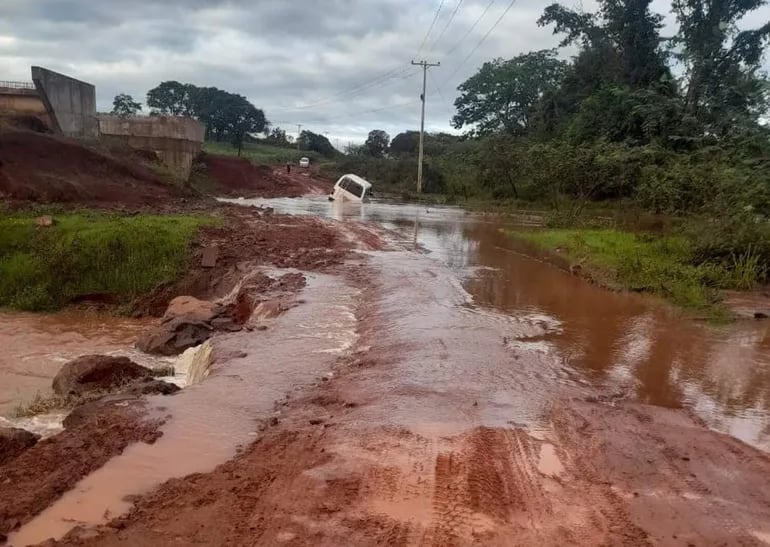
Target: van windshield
[{"x": 354, "y": 188}]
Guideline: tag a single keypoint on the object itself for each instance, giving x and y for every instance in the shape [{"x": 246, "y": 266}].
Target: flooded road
[{"x": 628, "y": 343}]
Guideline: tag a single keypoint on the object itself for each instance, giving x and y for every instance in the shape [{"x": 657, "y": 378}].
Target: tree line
[{"x": 228, "y": 117}]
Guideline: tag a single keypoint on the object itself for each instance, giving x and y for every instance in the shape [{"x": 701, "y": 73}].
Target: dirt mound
[
  {"x": 240, "y": 177},
  {"x": 42, "y": 168},
  {"x": 97, "y": 372}
]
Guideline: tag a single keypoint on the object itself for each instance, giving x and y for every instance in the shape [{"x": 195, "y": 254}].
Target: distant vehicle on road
[
  {"x": 304, "y": 162},
  {"x": 351, "y": 188}
]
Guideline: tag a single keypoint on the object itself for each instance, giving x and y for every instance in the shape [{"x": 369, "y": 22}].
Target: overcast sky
[{"x": 336, "y": 66}]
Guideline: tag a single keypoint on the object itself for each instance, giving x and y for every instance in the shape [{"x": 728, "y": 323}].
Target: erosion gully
[{"x": 478, "y": 333}]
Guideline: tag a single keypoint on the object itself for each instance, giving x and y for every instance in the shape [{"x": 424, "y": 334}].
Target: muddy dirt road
[{"x": 442, "y": 389}]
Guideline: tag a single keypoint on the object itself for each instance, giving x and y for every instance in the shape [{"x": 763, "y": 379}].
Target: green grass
[
  {"x": 656, "y": 264},
  {"x": 263, "y": 153},
  {"x": 90, "y": 253}
]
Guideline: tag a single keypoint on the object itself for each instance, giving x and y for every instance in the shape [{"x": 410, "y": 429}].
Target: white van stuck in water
[
  {"x": 351, "y": 188},
  {"x": 304, "y": 162}
]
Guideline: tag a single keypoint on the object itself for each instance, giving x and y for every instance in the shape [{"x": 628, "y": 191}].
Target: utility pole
[
  {"x": 425, "y": 66},
  {"x": 299, "y": 132}
]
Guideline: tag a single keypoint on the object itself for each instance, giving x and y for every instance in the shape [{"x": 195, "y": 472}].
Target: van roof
[{"x": 362, "y": 181}]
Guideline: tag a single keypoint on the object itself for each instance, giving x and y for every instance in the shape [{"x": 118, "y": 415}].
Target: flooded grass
[
  {"x": 87, "y": 253},
  {"x": 654, "y": 264}
]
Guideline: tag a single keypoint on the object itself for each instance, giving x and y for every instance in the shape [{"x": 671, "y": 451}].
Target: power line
[
  {"x": 430, "y": 29},
  {"x": 457, "y": 69},
  {"x": 446, "y": 27},
  {"x": 354, "y": 114},
  {"x": 472, "y": 28},
  {"x": 398, "y": 72},
  {"x": 438, "y": 90}
]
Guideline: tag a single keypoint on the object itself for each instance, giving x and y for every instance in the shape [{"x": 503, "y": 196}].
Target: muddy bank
[
  {"x": 236, "y": 177},
  {"x": 41, "y": 474},
  {"x": 247, "y": 238}
]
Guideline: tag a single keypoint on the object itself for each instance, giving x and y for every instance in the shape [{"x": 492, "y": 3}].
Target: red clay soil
[
  {"x": 239, "y": 177},
  {"x": 39, "y": 476},
  {"x": 43, "y": 168},
  {"x": 631, "y": 475},
  {"x": 251, "y": 237}
]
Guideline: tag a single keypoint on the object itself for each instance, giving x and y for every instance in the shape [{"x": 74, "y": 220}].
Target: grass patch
[
  {"x": 656, "y": 264},
  {"x": 263, "y": 153},
  {"x": 45, "y": 268}
]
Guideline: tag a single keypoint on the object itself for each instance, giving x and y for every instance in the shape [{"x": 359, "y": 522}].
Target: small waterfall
[{"x": 193, "y": 365}]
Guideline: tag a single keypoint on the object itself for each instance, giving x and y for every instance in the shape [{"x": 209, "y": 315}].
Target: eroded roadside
[
  {"x": 262, "y": 257},
  {"x": 435, "y": 429}
]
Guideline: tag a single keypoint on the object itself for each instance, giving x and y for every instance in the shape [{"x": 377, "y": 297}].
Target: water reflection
[{"x": 623, "y": 341}]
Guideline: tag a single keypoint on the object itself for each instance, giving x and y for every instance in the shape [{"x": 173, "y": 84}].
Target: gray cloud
[{"x": 284, "y": 56}]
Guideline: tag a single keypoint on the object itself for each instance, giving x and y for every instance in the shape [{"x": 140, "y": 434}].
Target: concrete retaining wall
[
  {"x": 175, "y": 140},
  {"x": 21, "y": 101},
  {"x": 71, "y": 104}
]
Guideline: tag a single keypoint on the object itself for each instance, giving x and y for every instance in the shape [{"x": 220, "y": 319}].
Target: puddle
[{"x": 549, "y": 463}]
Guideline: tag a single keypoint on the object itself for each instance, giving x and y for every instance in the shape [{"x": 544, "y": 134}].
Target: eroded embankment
[
  {"x": 251, "y": 241},
  {"x": 437, "y": 430}
]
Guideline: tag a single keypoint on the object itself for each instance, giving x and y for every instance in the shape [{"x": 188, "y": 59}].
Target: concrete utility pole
[
  {"x": 425, "y": 66},
  {"x": 299, "y": 132}
]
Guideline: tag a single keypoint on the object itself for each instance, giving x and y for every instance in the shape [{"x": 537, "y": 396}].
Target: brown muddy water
[
  {"x": 35, "y": 346},
  {"x": 633, "y": 345}
]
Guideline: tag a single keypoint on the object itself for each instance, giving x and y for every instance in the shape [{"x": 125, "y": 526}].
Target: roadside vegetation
[
  {"x": 663, "y": 265},
  {"x": 264, "y": 154},
  {"x": 90, "y": 253},
  {"x": 636, "y": 123}
]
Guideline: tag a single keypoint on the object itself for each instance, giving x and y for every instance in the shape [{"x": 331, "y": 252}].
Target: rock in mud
[
  {"x": 190, "y": 309},
  {"x": 14, "y": 441},
  {"x": 152, "y": 387},
  {"x": 174, "y": 337},
  {"x": 186, "y": 324},
  {"x": 45, "y": 221},
  {"x": 97, "y": 372}
]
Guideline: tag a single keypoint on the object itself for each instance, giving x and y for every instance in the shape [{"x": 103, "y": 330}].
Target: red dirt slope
[
  {"x": 239, "y": 177},
  {"x": 43, "y": 168}
]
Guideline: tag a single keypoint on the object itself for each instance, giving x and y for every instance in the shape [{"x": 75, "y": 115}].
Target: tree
[
  {"x": 243, "y": 119},
  {"x": 377, "y": 143},
  {"x": 405, "y": 143},
  {"x": 227, "y": 116},
  {"x": 278, "y": 137},
  {"x": 502, "y": 95},
  {"x": 124, "y": 105},
  {"x": 723, "y": 85},
  {"x": 626, "y": 27},
  {"x": 171, "y": 98},
  {"x": 316, "y": 143}
]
